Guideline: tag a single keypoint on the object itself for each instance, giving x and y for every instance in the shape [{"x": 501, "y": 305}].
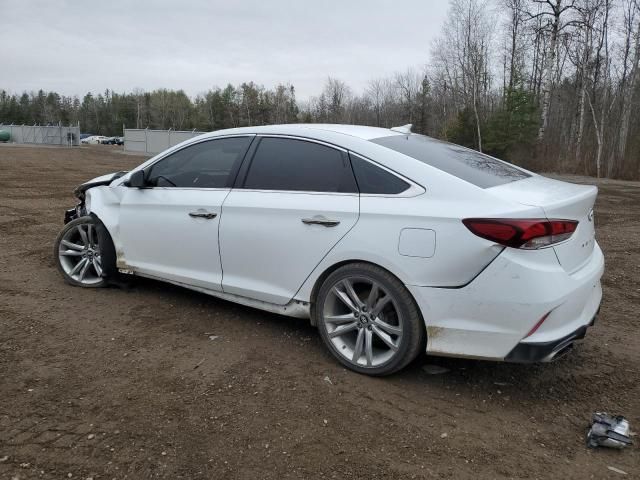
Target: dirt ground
[{"x": 156, "y": 381}]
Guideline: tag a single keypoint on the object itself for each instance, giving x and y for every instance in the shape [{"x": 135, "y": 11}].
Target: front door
[{"x": 170, "y": 230}]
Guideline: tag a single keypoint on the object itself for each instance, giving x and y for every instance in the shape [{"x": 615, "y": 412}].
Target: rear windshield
[{"x": 471, "y": 166}]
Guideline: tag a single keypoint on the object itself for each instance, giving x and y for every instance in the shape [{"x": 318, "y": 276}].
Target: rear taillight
[{"x": 528, "y": 234}]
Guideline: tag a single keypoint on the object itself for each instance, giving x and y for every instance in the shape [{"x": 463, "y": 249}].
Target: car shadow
[{"x": 465, "y": 376}]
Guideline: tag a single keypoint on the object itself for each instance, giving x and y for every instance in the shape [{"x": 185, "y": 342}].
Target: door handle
[
  {"x": 206, "y": 215},
  {"x": 320, "y": 220}
]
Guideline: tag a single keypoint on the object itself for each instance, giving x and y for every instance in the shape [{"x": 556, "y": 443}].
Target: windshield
[{"x": 469, "y": 165}]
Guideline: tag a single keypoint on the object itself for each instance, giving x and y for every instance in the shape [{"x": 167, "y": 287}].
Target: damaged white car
[{"x": 391, "y": 243}]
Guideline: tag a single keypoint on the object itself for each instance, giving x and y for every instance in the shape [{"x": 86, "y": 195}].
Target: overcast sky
[{"x": 76, "y": 46}]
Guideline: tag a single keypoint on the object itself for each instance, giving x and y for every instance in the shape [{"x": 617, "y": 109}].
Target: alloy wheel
[
  {"x": 79, "y": 254},
  {"x": 362, "y": 321}
]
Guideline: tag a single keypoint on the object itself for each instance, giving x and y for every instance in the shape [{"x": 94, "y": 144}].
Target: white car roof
[{"x": 312, "y": 130}]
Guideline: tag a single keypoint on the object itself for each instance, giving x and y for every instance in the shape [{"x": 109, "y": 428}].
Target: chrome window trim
[
  {"x": 217, "y": 189},
  {"x": 304, "y": 139},
  {"x": 299, "y": 192}
]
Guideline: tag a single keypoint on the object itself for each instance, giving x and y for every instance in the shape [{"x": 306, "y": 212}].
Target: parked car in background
[
  {"x": 391, "y": 243},
  {"x": 112, "y": 141},
  {"x": 94, "y": 139}
]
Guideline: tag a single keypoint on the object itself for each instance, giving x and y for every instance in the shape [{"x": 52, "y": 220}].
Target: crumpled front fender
[{"x": 104, "y": 202}]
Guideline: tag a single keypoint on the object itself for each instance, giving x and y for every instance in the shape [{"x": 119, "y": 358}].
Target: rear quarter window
[
  {"x": 471, "y": 166},
  {"x": 374, "y": 180}
]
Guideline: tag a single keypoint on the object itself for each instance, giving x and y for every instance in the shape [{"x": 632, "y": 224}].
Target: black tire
[
  {"x": 103, "y": 249},
  {"x": 413, "y": 338}
]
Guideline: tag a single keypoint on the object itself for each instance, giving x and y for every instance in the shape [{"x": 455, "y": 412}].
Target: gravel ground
[{"x": 155, "y": 381}]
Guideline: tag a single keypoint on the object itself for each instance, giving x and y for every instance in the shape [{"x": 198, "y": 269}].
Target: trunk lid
[{"x": 559, "y": 200}]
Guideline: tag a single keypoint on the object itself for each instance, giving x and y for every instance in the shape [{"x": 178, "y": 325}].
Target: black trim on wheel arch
[{"x": 107, "y": 249}]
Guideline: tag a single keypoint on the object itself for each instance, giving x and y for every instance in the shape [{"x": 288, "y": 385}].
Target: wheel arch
[
  {"x": 103, "y": 203},
  {"x": 408, "y": 346},
  {"x": 107, "y": 247},
  {"x": 335, "y": 266}
]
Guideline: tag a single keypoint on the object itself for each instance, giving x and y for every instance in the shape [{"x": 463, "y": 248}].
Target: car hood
[
  {"x": 102, "y": 178},
  {"x": 96, "y": 182}
]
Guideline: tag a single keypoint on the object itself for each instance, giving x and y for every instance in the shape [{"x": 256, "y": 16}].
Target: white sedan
[
  {"x": 391, "y": 243},
  {"x": 94, "y": 140}
]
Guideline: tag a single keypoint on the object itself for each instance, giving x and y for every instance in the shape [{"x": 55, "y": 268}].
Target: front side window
[
  {"x": 298, "y": 165},
  {"x": 203, "y": 165}
]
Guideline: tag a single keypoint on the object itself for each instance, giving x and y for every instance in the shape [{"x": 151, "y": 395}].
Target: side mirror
[{"x": 137, "y": 180}]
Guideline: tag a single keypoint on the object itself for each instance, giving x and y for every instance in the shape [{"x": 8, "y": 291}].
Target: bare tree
[
  {"x": 630, "y": 82},
  {"x": 336, "y": 93},
  {"x": 515, "y": 20},
  {"x": 554, "y": 10},
  {"x": 375, "y": 92},
  {"x": 601, "y": 70},
  {"x": 462, "y": 55},
  {"x": 589, "y": 11},
  {"x": 409, "y": 84}
]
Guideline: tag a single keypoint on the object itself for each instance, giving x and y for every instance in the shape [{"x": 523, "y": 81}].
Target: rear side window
[
  {"x": 203, "y": 165},
  {"x": 471, "y": 166},
  {"x": 373, "y": 179},
  {"x": 290, "y": 164}
]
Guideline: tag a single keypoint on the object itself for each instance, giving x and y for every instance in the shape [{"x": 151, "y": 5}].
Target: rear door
[
  {"x": 170, "y": 230},
  {"x": 295, "y": 201}
]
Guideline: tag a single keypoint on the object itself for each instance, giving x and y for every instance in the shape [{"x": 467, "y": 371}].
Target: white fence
[
  {"x": 154, "y": 141},
  {"x": 45, "y": 135}
]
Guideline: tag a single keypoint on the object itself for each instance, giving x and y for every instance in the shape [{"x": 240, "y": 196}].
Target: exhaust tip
[{"x": 561, "y": 352}]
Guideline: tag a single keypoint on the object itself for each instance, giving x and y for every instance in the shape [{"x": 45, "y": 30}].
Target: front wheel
[
  {"x": 78, "y": 253},
  {"x": 368, "y": 319}
]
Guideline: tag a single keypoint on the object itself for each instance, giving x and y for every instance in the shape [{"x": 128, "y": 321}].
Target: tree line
[
  {"x": 106, "y": 113},
  {"x": 548, "y": 84}
]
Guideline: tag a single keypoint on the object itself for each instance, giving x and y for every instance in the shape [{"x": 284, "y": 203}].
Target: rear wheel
[
  {"x": 368, "y": 319},
  {"x": 78, "y": 253}
]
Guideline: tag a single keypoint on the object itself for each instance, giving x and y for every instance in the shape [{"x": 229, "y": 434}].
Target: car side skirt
[{"x": 294, "y": 308}]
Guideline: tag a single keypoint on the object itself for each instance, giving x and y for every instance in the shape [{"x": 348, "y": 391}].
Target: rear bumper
[
  {"x": 546, "y": 351},
  {"x": 492, "y": 316}
]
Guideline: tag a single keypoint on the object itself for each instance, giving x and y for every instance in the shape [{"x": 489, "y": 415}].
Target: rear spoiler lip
[
  {"x": 583, "y": 194},
  {"x": 517, "y": 192}
]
